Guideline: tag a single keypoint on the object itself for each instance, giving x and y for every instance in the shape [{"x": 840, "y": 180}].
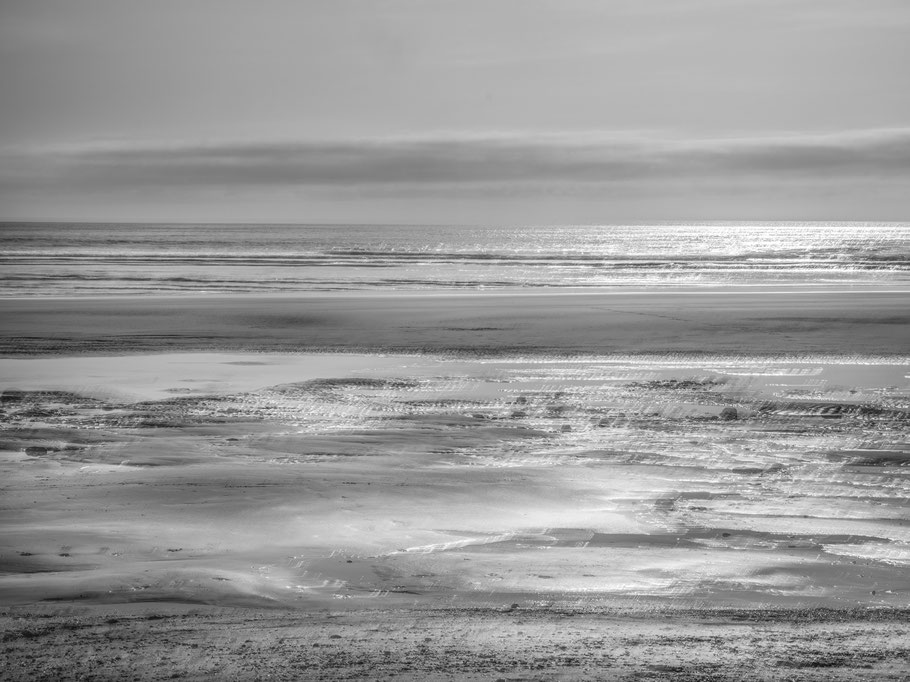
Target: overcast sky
[{"x": 464, "y": 111}]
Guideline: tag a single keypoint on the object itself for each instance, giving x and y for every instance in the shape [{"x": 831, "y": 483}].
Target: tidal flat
[{"x": 434, "y": 514}]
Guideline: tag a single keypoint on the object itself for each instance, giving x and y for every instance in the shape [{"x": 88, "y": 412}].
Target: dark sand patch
[{"x": 698, "y": 321}]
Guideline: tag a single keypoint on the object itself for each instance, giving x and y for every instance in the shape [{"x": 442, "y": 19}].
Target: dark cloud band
[{"x": 879, "y": 153}]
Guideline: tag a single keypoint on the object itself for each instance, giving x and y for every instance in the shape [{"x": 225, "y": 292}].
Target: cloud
[{"x": 457, "y": 161}]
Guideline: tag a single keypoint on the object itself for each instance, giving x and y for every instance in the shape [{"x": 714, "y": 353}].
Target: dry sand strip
[
  {"x": 159, "y": 641},
  {"x": 708, "y": 320}
]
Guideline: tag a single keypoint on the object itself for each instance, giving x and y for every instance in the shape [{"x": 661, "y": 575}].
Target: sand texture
[
  {"x": 156, "y": 643},
  {"x": 581, "y": 507}
]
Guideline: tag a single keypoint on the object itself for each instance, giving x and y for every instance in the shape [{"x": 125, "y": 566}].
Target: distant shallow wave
[{"x": 59, "y": 259}]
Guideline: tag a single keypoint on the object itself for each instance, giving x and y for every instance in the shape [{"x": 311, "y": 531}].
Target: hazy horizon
[{"x": 627, "y": 223}]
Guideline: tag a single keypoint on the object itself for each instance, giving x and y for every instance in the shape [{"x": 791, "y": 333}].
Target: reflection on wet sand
[{"x": 304, "y": 480}]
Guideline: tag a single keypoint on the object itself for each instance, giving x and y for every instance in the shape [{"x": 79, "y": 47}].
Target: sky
[{"x": 464, "y": 111}]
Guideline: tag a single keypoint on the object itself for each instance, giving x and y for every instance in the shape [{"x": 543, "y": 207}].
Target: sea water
[{"x": 60, "y": 259}]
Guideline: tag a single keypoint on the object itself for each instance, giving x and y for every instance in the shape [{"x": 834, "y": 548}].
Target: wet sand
[
  {"x": 731, "y": 507},
  {"x": 772, "y": 321},
  {"x": 733, "y": 480}
]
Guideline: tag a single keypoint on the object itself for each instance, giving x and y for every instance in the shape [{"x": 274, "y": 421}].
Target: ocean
[{"x": 82, "y": 259}]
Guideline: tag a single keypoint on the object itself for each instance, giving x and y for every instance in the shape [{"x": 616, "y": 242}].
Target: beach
[
  {"x": 492, "y": 485},
  {"x": 436, "y": 341}
]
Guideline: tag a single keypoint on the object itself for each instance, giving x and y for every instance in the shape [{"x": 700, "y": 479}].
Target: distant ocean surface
[{"x": 56, "y": 259}]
